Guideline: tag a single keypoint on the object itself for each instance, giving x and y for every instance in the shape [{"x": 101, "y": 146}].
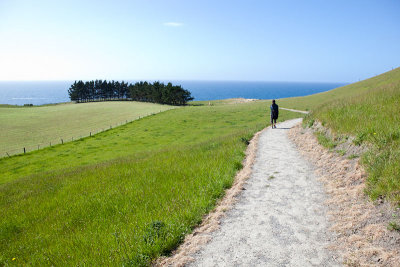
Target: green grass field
[
  {"x": 368, "y": 110},
  {"x": 130, "y": 194},
  {"x": 127, "y": 195},
  {"x": 32, "y": 126}
]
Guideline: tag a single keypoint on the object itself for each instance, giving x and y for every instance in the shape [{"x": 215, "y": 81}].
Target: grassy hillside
[
  {"x": 370, "y": 111},
  {"x": 352, "y": 90},
  {"x": 32, "y": 126},
  {"x": 127, "y": 195}
]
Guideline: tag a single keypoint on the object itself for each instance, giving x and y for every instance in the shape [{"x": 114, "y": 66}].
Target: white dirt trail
[
  {"x": 279, "y": 218},
  {"x": 296, "y": 110}
]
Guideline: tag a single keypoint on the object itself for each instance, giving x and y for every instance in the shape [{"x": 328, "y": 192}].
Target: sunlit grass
[
  {"x": 373, "y": 118},
  {"x": 125, "y": 196},
  {"x": 368, "y": 110},
  {"x": 102, "y": 214},
  {"x": 36, "y": 127},
  {"x": 342, "y": 93},
  {"x": 325, "y": 140}
]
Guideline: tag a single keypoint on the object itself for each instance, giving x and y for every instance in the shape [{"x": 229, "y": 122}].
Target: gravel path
[
  {"x": 279, "y": 218},
  {"x": 296, "y": 110}
]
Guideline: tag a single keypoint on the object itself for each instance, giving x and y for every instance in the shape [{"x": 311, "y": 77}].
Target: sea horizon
[{"x": 43, "y": 92}]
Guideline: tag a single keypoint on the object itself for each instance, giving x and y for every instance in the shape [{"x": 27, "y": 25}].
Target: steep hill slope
[
  {"x": 370, "y": 111},
  {"x": 359, "y": 88}
]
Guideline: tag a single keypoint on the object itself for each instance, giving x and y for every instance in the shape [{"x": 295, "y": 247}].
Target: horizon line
[{"x": 195, "y": 80}]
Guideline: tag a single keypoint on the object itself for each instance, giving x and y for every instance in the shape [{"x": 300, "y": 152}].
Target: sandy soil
[{"x": 279, "y": 218}]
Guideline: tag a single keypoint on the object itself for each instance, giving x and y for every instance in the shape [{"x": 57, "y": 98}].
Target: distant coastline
[{"x": 52, "y": 92}]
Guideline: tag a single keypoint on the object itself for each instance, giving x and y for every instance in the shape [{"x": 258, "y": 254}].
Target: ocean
[{"x": 48, "y": 92}]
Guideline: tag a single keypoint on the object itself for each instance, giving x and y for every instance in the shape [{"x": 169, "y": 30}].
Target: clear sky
[{"x": 325, "y": 41}]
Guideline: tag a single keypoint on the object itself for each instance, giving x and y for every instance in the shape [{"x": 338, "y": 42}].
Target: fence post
[
  {"x": 24, "y": 150},
  {"x": 50, "y": 143},
  {"x": 90, "y": 134},
  {"x": 38, "y": 147},
  {"x": 62, "y": 141},
  {"x": 8, "y": 155}
]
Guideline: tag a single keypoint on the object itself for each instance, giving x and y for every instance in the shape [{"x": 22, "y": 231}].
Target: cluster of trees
[
  {"x": 156, "y": 92},
  {"x": 159, "y": 93}
]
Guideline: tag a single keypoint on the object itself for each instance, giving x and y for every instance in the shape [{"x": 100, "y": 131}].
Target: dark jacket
[{"x": 274, "y": 111}]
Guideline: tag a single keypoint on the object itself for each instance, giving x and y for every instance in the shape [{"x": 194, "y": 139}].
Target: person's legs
[
  {"x": 274, "y": 125},
  {"x": 273, "y": 122}
]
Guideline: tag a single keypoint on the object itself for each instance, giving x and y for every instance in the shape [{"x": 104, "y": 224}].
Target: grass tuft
[
  {"x": 308, "y": 121},
  {"x": 325, "y": 140},
  {"x": 393, "y": 226},
  {"x": 341, "y": 152},
  {"x": 360, "y": 138},
  {"x": 353, "y": 156}
]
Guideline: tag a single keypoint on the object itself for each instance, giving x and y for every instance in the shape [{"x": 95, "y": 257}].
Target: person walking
[{"x": 274, "y": 113}]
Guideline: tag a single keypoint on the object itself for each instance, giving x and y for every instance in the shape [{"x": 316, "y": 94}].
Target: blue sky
[{"x": 323, "y": 41}]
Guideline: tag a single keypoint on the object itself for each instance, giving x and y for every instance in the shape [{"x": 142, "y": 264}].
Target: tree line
[{"x": 155, "y": 92}]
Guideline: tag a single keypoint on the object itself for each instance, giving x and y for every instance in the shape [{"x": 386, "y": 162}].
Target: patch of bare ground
[
  {"x": 363, "y": 230},
  {"x": 295, "y": 110},
  {"x": 241, "y": 100},
  {"x": 211, "y": 222},
  {"x": 233, "y": 101}
]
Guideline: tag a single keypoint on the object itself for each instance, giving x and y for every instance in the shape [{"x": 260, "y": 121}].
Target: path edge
[
  {"x": 360, "y": 225},
  {"x": 201, "y": 234}
]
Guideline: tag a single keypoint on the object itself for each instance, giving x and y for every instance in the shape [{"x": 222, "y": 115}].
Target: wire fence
[{"x": 66, "y": 139}]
